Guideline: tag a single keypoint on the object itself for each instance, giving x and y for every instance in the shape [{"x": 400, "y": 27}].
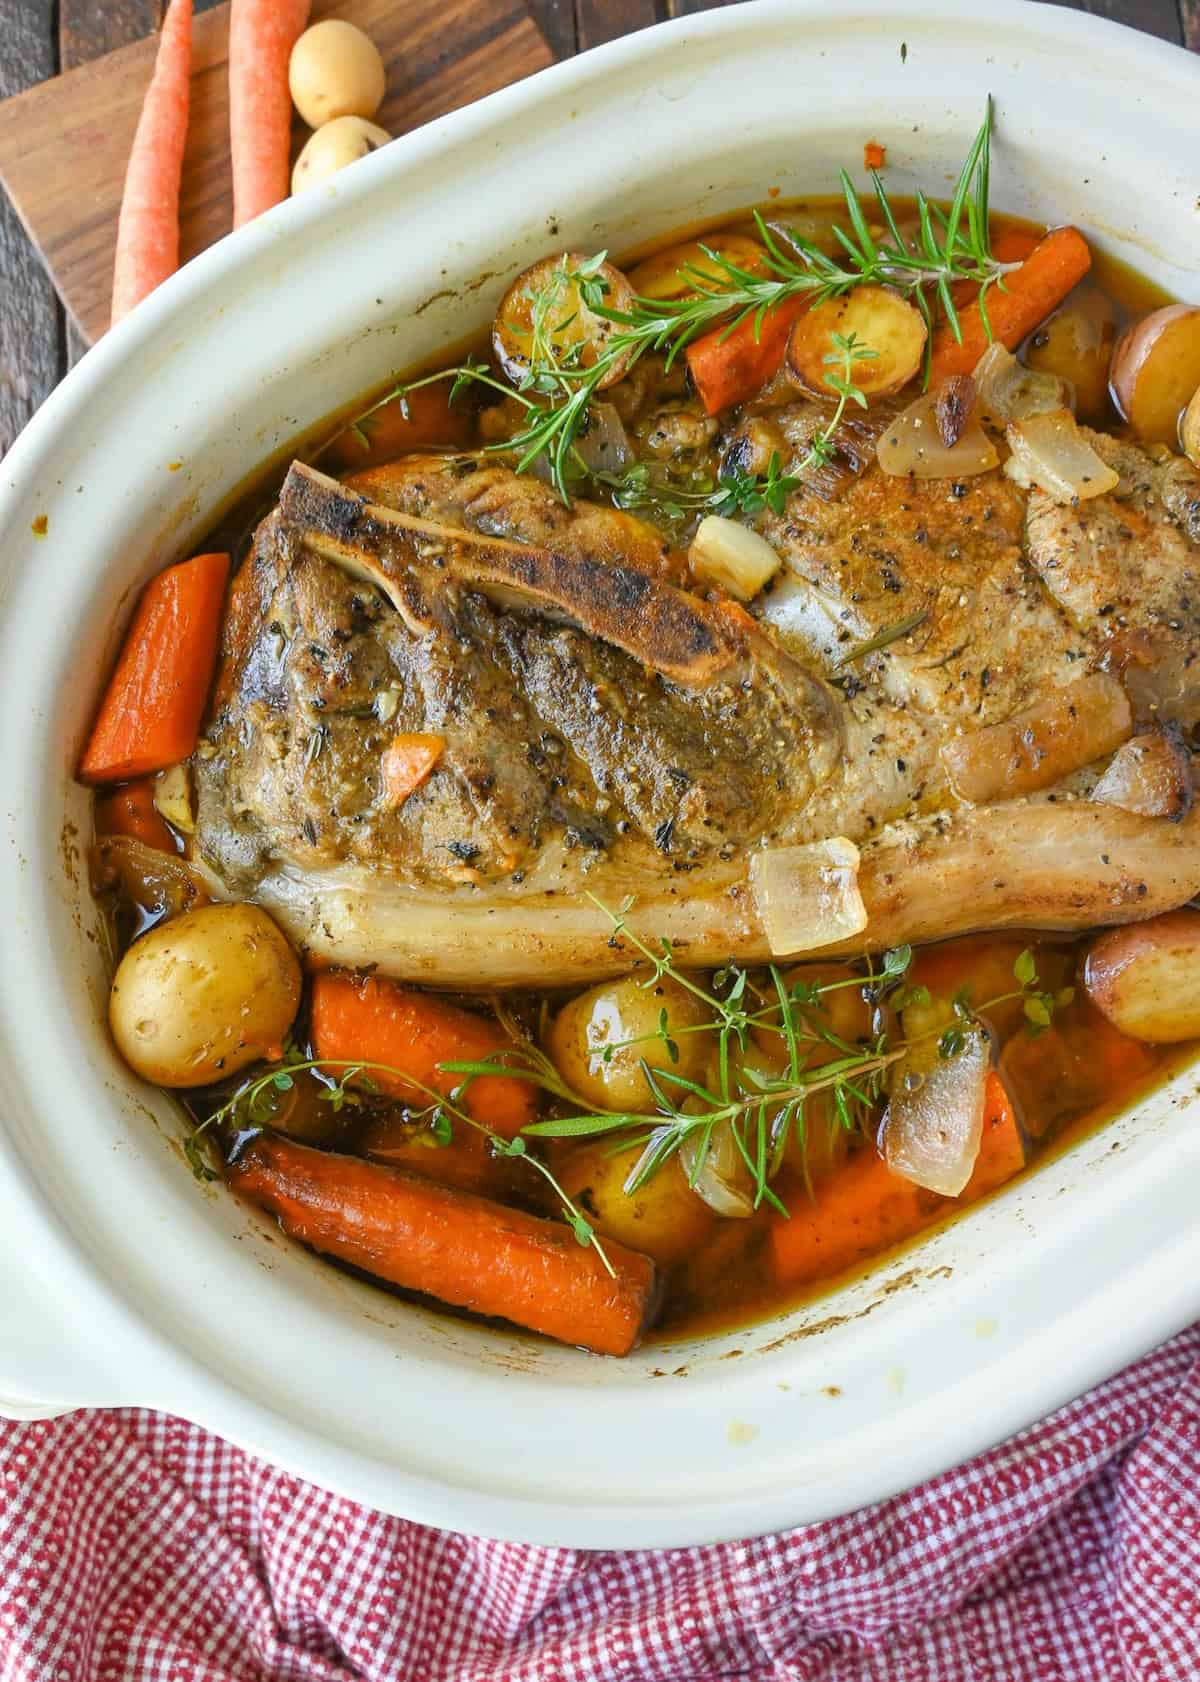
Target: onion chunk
[
  {"x": 732, "y": 557},
  {"x": 913, "y": 444},
  {"x": 1050, "y": 452},
  {"x": 1150, "y": 775},
  {"x": 808, "y": 897},
  {"x": 1008, "y": 391},
  {"x": 934, "y": 1121},
  {"x": 719, "y": 1176}
]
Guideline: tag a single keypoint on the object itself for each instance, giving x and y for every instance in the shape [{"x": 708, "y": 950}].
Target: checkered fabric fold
[{"x": 137, "y": 1548}]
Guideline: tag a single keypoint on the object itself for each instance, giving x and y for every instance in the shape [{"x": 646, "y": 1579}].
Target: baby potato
[
  {"x": 1155, "y": 369},
  {"x": 1076, "y": 345},
  {"x": 571, "y": 325},
  {"x": 1146, "y": 977},
  {"x": 204, "y": 995},
  {"x": 335, "y": 71},
  {"x": 662, "y": 276},
  {"x": 664, "y": 1219},
  {"x": 615, "y": 1014},
  {"x": 339, "y": 143},
  {"x": 882, "y": 322}
]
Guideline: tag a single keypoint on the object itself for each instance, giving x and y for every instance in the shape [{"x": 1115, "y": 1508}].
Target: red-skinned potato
[
  {"x": 1146, "y": 977},
  {"x": 1156, "y": 369}
]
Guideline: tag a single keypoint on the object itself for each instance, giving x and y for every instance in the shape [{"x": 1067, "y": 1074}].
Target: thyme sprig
[
  {"x": 559, "y": 385},
  {"x": 760, "y": 1111},
  {"x": 676, "y": 498},
  {"x": 254, "y": 1104}
]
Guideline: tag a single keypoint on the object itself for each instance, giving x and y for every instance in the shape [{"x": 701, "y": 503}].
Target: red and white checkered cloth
[{"x": 137, "y": 1548}]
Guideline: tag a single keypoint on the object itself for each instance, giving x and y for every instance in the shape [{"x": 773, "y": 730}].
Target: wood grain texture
[
  {"x": 1156, "y": 17},
  {"x": 556, "y": 20},
  {"x": 87, "y": 31},
  {"x": 597, "y": 21},
  {"x": 30, "y": 328},
  {"x": 689, "y": 8},
  {"x": 63, "y": 145}
]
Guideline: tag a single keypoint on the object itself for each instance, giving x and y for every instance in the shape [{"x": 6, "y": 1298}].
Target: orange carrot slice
[
  {"x": 863, "y": 1208},
  {"x": 151, "y": 712},
  {"x": 148, "y": 226},
  {"x": 370, "y": 1020},
  {"x": 728, "y": 367},
  {"x": 262, "y": 34},
  {"x": 1056, "y": 264},
  {"x": 422, "y": 419},
  {"x": 1001, "y": 1145},
  {"x": 858, "y": 1210},
  {"x": 407, "y": 762},
  {"x": 452, "y": 1245},
  {"x": 130, "y": 811}
]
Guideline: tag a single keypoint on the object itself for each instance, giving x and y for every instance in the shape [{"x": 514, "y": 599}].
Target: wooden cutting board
[{"x": 64, "y": 143}]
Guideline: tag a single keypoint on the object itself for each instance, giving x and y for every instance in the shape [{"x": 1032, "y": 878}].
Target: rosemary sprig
[
  {"x": 253, "y": 1105},
  {"x": 889, "y": 634},
  {"x": 559, "y": 385}
]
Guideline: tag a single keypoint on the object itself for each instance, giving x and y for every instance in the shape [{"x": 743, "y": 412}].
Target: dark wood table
[{"x": 40, "y": 37}]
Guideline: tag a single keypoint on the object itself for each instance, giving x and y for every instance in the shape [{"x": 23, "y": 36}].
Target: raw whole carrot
[
  {"x": 130, "y": 810},
  {"x": 151, "y": 712},
  {"x": 728, "y": 367},
  {"x": 262, "y": 34},
  {"x": 148, "y": 227},
  {"x": 370, "y": 1020},
  {"x": 863, "y": 1207},
  {"x": 1057, "y": 263},
  {"x": 452, "y": 1245},
  {"x": 407, "y": 761}
]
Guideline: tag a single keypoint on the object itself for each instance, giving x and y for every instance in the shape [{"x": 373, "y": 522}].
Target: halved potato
[
  {"x": 1076, "y": 344},
  {"x": 661, "y": 276},
  {"x": 664, "y": 1218},
  {"x": 1146, "y": 977},
  {"x": 1156, "y": 369},
  {"x": 553, "y": 290},
  {"x": 881, "y": 321}
]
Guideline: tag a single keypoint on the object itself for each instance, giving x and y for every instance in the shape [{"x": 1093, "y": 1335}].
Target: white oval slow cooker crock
[{"x": 125, "y": 1282}]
